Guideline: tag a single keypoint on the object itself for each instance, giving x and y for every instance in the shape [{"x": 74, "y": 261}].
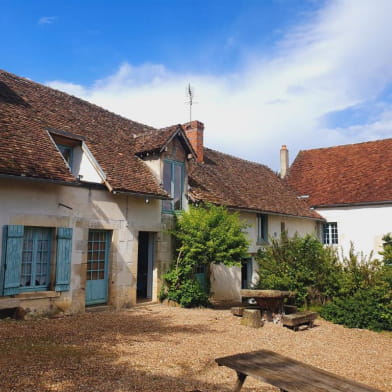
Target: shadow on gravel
[{"x": 78, "y": 354}]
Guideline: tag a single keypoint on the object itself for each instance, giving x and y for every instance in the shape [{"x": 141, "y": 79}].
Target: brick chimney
[
  {"x": 194, "y": 131},
  {"x": 284, "y": 161}
]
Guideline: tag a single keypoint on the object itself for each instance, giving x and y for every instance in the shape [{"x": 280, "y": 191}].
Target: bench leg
[{"x": 240, "y": 382}]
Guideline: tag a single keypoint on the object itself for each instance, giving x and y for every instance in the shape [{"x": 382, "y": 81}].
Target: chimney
[
  {"x": 194, "y": 131},
  {"x": 284, "y": 161}
]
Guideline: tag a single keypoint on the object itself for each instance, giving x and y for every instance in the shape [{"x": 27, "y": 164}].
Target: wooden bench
[
  {"x": 295, "y": 320},
  {"x": 287, "y": 374}
]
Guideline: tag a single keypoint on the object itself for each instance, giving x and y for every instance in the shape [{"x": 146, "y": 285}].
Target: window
[
  {"x": 330, "y": 233},
  {"x": 67, "y": 152},
  {"x": 35, "y": 273},
  {"x": 173, "y": 183},
  {"x": 27, "y": 259},
  {"x": 262, "y": 228}
]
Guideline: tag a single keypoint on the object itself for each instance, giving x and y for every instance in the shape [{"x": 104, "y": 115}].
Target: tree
[
  {"x": 387, "y": 249},
  {"x": 204, "y": 235}
]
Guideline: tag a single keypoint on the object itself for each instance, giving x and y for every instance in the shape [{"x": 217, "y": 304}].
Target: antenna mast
[{"x": 190, "y": 95}]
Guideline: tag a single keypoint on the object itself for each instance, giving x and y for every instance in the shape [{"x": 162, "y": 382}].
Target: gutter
[
  {"x": 360, "y": 204},
  {"x": 150, "y": 195},
  {"x": 37, "y": 179},
  {"x": 80, "y": 185},
  {"x": 276, "y": 214},
  {"x": 262, "y": 211}
]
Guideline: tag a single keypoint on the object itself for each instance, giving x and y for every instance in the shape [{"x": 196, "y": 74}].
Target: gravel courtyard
[{"x": 159, "y": 348}]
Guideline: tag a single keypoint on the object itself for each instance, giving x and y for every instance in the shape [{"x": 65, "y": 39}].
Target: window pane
[
  {"x": 330, "y": 233},
  {"x": 66, "y": 151},
  {"x": 97, "y": 255},
  {"x": 35, "y": 257},
  {"x": 177, "y": 187},
  {"x": 262, "y": 221},
  {"x": 167, "y": 177}
]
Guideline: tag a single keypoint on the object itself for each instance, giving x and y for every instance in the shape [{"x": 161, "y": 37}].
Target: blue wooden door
[{"x": 97, "y": 267}]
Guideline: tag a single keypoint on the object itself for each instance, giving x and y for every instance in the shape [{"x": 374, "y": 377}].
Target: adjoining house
[
  {"x": 351, "y": 187},
  {"x": 87, "y": 196},
  {"x": 263, "y": 201}
]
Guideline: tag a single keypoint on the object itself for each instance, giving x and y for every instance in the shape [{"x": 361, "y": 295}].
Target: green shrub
[
  {"x": 356, "y": 292},
  {"x": 359, "y": 272},
  {"x": 302, "y": 265},
  {"x": 369, "y": 308},
  {"x": 186, "y": 291}
]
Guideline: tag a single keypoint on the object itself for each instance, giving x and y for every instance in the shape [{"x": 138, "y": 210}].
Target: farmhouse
[
  {"x": 351, "y": 187},
  {"x": 87, "y": 197}
]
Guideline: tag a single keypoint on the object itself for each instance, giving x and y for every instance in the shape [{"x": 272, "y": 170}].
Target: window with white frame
[
  {"x": 262, "y": 228},
  {"x": 330, "y": 233}
]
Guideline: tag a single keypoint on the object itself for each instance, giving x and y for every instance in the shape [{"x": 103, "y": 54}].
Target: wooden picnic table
[{"x": 287, "y": 374}]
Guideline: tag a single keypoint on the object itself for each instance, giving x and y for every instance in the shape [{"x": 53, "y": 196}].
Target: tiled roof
[
  {"x": 27, "y": 109},
  {"x": 237, "y": 183},
  {"x": 157, "y": 140},
  {"x": 152, "y": 141},
  {"x": 349, "y": 174}
]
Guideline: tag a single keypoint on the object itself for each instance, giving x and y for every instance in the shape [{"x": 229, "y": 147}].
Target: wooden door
[{"x": 97, "y": 267}]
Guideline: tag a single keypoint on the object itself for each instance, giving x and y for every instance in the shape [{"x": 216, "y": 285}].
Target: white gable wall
[{"x": 364, "y": 226}]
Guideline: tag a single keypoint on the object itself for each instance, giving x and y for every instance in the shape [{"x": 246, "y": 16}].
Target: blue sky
[{"x": 304, "y": 73}]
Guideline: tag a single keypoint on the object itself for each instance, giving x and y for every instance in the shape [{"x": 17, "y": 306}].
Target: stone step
[{"x": 99, "y": 308}]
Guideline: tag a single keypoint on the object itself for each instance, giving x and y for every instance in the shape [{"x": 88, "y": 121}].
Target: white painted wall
[
  {"x": 364, "y": 226},
  {"x": 154, "y": 162}
]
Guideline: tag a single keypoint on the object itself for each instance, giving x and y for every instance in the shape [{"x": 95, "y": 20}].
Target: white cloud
[
  {"x": 47, "y": 19},
  {"x": 71, "y": 88},
  {"x": 339, "y": 59}
]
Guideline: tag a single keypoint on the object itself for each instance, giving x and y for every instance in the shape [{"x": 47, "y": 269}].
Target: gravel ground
[{"x": 159, "y": 348}]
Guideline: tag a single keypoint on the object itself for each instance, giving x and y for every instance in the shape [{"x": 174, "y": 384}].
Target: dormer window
[
  {"x": 70, "y": 147},
  {"x": 77, "y": 156}
]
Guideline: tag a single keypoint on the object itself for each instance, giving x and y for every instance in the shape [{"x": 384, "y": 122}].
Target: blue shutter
[
  {"x": 13, "y": 248},
  {"x": 63, "y": 259}
]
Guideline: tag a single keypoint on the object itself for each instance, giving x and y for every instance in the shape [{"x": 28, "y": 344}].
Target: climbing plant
[{"x": 204, "y": 235}]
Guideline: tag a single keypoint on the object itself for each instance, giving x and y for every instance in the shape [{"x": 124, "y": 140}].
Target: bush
[
  {"x": 302, "y": 265},
  {"x": 359, "y": 272},
  {"x": 356, "y": 292},
  {"x": 186, "y": 291},
  {"x": 369, "y": 308}
]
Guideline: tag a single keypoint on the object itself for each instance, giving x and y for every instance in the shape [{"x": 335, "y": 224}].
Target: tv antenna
[{"x": 190, "y": 93}]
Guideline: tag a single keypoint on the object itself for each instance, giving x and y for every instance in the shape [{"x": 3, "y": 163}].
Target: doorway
[
  {"x": 246, "y": 273},
  {"x": 145, "y": 265}
]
